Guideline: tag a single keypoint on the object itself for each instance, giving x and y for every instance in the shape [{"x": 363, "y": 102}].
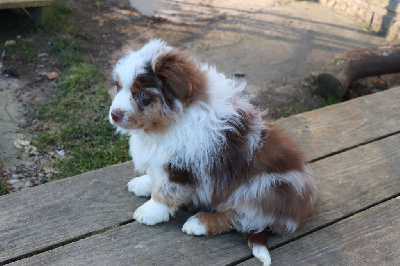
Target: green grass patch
[
  {"x": 3, "y": 186},
  {"x": 78, "y": 123},
  {"x": 76, "y": 119},
  {"x": 331, "y": 100},
  {"x": 61, "y": 18}
]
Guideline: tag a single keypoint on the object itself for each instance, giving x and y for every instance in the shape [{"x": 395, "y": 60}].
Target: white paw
[
  {"x": 193, "y": 227},
  {"x": 262, "y": 253},
  {"x": 152, "y": 213},
  {"x": 141, "y": 186}
]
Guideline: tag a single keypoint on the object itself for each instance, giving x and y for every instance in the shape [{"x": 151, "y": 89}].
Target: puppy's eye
[
  {"x": 142, "y": 95},
  {"x": 143, "y": 98}
]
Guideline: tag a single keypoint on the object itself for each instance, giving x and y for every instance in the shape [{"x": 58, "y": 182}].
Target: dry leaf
[
  {"x": 48, "y": 169},
  {"x": 10, "y": 42},
  {"x": 17, "y": 145},
  {"x": 23, "y": 142},
  {"x": 52, "y": 75}
]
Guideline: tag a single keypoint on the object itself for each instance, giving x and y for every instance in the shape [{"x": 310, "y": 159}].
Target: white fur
[
  {"x": 262, "y": 253},
  {"x": 152, "y": 213},
  {"x": 257, "y": 186},
  {"x": 193, "y": 227},
  {"x": 291, "y": 226},
  {"x": 252, "y": 219},
  {"x": 169, "y": 191},
  {"x": 132, "y": 64},
  {"x": 141, "y": 186}
]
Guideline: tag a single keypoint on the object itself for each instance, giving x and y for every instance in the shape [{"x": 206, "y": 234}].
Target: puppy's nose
[{"x": 117, "y": 115}]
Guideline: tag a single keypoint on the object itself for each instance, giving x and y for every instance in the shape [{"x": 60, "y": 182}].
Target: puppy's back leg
[
  {"x": 258, "y": 245},
  {"x": 209, "y": 223}
]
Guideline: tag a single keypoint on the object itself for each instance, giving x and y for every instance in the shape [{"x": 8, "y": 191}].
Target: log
[{"x": 345, "y": 68}]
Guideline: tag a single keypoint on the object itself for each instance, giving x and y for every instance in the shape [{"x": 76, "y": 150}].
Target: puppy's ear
[{"x": 180, "y": 75}]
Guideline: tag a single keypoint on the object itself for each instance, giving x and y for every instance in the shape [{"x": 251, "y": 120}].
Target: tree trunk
[{"x": 352, "y": 65}]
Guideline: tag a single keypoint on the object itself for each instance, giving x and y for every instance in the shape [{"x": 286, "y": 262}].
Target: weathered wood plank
[
  {"x": 347, "y": 182},
  {"x": 338, "y": 127},
  {"x": 136, "y": 244},
  {"x": 46, "y": 215},
  {"x": 368, "y": 238},
  {"x": 24, "y": 3}
]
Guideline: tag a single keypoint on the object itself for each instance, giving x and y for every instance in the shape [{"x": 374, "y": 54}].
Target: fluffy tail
[{"x": 258, "y": 244}]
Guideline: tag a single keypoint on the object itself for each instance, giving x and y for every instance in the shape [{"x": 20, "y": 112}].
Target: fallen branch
[{"x": 352, "y": 65}]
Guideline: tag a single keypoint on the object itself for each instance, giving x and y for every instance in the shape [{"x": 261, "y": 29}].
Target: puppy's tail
[{"x": 258, "y": 245}]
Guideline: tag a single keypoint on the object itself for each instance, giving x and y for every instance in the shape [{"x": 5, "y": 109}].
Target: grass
[
  {"x": 77, "y": 120},
  {"x": 61, "y": 13},
  {"x": 331, "y": 100},
  {"x": 3, "y": 187}
]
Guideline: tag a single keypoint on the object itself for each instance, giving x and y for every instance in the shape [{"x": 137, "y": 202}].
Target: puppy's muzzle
[{"x": 117, "y": 115}]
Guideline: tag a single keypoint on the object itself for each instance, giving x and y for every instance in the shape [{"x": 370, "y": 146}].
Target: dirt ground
[{"x": 276, "y": 44}]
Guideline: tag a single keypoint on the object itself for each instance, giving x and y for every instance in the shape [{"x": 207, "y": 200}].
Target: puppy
[{"x": 197, "y": 140}]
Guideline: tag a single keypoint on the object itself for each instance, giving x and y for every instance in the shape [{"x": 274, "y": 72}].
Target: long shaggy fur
[{"x": 198, "y": 141}]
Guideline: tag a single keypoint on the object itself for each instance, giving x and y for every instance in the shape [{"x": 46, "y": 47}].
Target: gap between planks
[
  {"x": 65, "y": 242},
  {"x": 353, "y": 147}
]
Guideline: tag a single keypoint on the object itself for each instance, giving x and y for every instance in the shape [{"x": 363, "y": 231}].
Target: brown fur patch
[
  {"x": 183, "y": 177},
  {"x": 260, "y": 238},
  {"x": 283, "y": 202},
  {"x": 181, "y": 76},
  {"x": 150, "y": 118},
  {"x": 216, "y": 222},
  {"x": 277, "y": 153},
  {"x": 150, "y": 115}
]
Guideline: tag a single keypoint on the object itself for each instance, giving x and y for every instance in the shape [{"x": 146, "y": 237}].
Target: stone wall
[{"x": 380, "y": 16}]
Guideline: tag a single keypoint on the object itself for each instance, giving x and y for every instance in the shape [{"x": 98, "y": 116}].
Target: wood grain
[
  {"x": 347, "y": 182},
  {"x": 39, "y": 217},
  {"x": 341, "y": 126},
  {"x": 136, "y": 244},
  {"x": 49, "y": 214},
  {"x": 368, "y": 238}
]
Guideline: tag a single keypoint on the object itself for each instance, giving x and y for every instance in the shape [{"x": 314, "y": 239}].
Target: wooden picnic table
[
  {"x": 41, "y": 10},
  {"x": 354, "y": 152}
]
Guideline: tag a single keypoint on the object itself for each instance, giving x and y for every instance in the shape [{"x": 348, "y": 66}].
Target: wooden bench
[
  {"x": 354, "y": 150},
  {"x": 41, "y": 12}
]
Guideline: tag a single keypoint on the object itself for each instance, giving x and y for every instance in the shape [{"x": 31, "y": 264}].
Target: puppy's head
[{"x": 154, "y": 85}]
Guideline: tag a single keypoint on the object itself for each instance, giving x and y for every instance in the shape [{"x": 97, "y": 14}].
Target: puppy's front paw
[
  {"x": 152, "y": 213},
  {"x": 193, "y": 227},
  {"x": 141, "y": 186}
]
